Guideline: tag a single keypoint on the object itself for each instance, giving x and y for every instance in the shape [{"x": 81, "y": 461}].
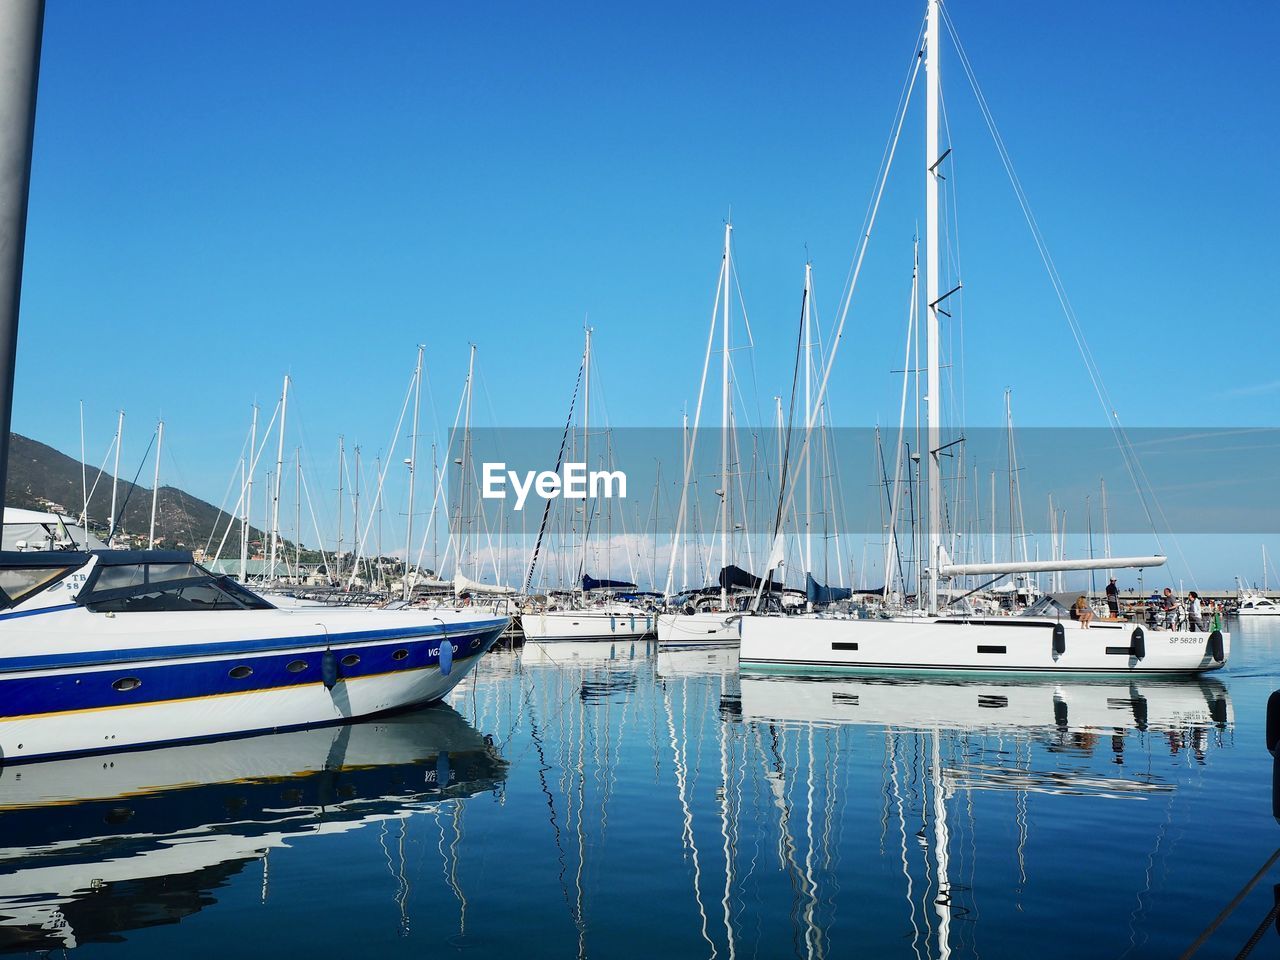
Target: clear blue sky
[{"x": 225, "y": 192}]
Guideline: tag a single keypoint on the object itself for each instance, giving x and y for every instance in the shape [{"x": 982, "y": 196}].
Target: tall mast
[
  {"x": 933, "y": 400},
  {"x": 155, "y": 486},
  {"x": 684, "y": 492},
  {"x": 115, "y": 482},
  {"x": 248, "y": 497},
  {"x": 342, "y": 465},
  {"x": 275, "y": 499},
  {"x": 355, "y": 508},
  {"x": 84, "y": 481},
  {"x": 725, "y": 421},
  {"x": 460, "y": 554},
  {"x": 808, "y": 416},
  {"x": 1106, "y": 526},
  {"x": 413, "y": 469},
  {"x": 586, "y": 449},
  {"x": 297, "y": 513}
]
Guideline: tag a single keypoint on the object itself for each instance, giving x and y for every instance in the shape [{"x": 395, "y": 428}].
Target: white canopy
[{"x": 463, "y": 584}]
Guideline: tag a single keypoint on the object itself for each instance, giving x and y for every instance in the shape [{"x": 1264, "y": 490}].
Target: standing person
[
  {"x": 1084, "y": 613},
  {"x": 1113, "y": 599},
  {"x": 1168, "y": 605},
  {"x": 1196, "y": 623}
]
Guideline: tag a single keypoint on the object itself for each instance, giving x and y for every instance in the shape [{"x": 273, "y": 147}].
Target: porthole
[
  {"x": 127, "y": 683},
  {"x": 351, "y": 659},
  {"x": 400, "y": 654},
  {"x": 240, "y": 672},
  {"x": 296, "y": 666}
]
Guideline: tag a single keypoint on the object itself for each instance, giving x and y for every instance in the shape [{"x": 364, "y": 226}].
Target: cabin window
[
  {"x": 351, "y": 659},
  {"x": 240, "y": 672},
  {"x": 400, "y": 654},
  {"x": 127, "y": 683},
  {"x": 296, "y": 666},
  {"x": 172, "y": 587},
  {"x": 18, "y": 583}
]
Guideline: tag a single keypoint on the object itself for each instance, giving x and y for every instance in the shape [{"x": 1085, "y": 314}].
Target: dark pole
[{"x": 21, "y": 25}]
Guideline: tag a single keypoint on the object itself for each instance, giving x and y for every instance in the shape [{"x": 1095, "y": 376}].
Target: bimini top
[{"x": 10, "y": 559}]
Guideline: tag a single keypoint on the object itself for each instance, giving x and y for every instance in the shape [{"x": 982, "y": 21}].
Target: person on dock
[
  {"x": 1168, "y": 606},
  {"x": 1084, "y": 613},
  {"x": 1113, "y": 599}
]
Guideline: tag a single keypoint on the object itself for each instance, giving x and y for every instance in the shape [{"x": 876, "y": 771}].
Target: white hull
[
  {"x": 1259, "y": 612},
  {"x": 693, "y": 629},
  {"x": 561, "y": 625},
  {"x": 222, "y": 715},
  {"x": 812, "y": 643},
  {"x": 584, "y": 651}
]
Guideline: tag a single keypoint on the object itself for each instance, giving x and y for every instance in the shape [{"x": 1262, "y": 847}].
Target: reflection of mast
[
  {"x": 941, "y": 840},
  {"x": 687, "y": 834},
  {"x": 891, "y": 748}
]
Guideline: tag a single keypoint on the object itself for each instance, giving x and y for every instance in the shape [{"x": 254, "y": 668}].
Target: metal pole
[
  {"x": 275, "y": 500},
  {"x": 726, "y": 418},
  {"x": 155, "y": 485},
  {"x": 115, "y": 482},
  {"x": 21, "y": 27},
  {"x": 933, "y": 342},
  {"x": 413, "y": 468}
]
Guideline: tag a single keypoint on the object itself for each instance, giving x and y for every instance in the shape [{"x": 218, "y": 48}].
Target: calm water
[{"x": 591, "y": 800}]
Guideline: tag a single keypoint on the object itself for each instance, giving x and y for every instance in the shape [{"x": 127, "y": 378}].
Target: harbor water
[{"x": 602, "y": 800}]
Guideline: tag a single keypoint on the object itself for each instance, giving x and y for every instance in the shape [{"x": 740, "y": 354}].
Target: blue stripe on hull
[
  {"x": 92, "y": 658},
  {"x": 184, "y": 679}
]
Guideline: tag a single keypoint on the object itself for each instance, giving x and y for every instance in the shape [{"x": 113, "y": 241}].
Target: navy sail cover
[
  {"x": 818, "y": 593},
  {"x": 591, "y": 583}
]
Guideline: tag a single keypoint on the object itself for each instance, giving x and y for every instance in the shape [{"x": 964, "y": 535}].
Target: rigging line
[
  {"x": 115, "y": 524},
  {"x": 213, "y": 531},
  {"x": 546, "y": 509},
  {"x": 382, "y": 476},
  {"x": 1127, "y": 451},
  {"x": 693, "y": 438},
  {"x": 864, "y": 243}
]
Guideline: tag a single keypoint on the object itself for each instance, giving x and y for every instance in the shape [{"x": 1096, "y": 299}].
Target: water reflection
[{"x": 117, "y": 843}]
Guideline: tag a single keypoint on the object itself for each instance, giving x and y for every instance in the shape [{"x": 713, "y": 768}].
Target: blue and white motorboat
[{"x": 110, "y": 650}]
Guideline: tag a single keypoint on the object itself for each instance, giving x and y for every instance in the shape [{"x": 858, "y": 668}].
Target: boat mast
[
  {"x": 155, "y": 485},
  {"x": 84, "y": 480},
  {"x": 413, "y": 468},
  {"x": 464, "y": 539},
  {"x": 247, "y": 494},
  {"x": 933, "y": 400},
  {"x": 586, "y": 459},
  {"x": 808, "y": 416},
  {"x": 355, "y": 508},
  {"x": 297, "y": 513},
  {"x": 342, "y": 462},
  {"x": 275, "y": 499},
  {"x": 115, "y": 483},
  {"x": 726, "y": 420}
]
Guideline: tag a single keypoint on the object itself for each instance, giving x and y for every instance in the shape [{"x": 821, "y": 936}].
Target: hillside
[{"x": 40, "y": 475}]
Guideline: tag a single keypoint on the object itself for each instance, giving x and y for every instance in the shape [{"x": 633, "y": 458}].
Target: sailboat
[
  {"x": 595, "y": 611},
  {"x": 1044, "y": 638}
]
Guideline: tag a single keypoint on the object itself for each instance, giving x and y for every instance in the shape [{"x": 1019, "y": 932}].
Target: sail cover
[
  {"x": 591, "y": 583},
  {"x": 735, "y": 577},
  {"x": 818, "y": 593},
  {"x": 463, "y": 585}
]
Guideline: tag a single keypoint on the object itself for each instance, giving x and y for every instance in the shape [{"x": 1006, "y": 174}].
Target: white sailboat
[
  {"x": 594, "y": 612},
  {"x": 1044, "y": 638}
]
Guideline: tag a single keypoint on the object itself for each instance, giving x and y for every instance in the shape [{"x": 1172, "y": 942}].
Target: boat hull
[
  {"x": 699, "y": 629},
  {"x": 999, "y": 645},
  {"x": 569, "y": 625},
  {"x": 160, "y": 699}
]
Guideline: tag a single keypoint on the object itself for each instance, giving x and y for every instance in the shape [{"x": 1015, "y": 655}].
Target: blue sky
[{"x": 223, "y": 193}]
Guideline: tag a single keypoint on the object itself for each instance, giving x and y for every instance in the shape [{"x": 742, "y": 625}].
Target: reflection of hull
[
  {"x": 998, "y": 703},
  {"x": 144, "y": 838},
  {"x": 567, "y": 625},
  {"x": 695, "y": 662},
  {"x": 693, "y": 629},
  {"x": 565, "y": 651},
  {"x": 996, "y": 645}
]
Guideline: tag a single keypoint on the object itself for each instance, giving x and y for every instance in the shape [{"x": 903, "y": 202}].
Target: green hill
[{"x": 42, "y": 478}]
